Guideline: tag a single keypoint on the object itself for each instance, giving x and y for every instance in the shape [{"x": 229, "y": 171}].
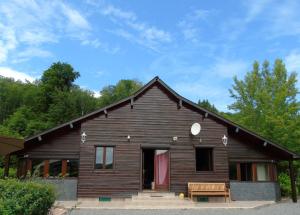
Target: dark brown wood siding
[
  {"x": 153, "y": 120},
  {"x": 246, "y": 149},
  {"x": 64, "y": 144}
]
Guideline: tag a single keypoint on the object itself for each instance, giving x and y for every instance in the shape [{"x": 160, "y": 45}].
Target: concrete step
[
  {"x": 156, "y": 194},
  {"x": 158, "y": 203},
  {"x": 139, "y": 199}
]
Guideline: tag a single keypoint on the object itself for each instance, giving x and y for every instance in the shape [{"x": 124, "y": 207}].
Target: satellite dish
[{"x": 195, "y": 129}]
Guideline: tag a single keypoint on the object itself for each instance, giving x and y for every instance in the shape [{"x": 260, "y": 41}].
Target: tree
[
  {"x": 29, "y": 108},
  {"x": 265, "y": 101},
  {"x": 114, "y": 93},
  {"x": 70, "y": 105},
  {"x": 60, "y": 76},
  {"x": 207, "y": 105}
]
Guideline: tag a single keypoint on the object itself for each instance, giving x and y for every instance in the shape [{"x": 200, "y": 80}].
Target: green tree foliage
[
  {"x": 29, "y": 108},
  {"x": 265, "y": 101},
  {"x": 122, "y": 89},
  {"x": 59, "y": 77},
  {"x": 207, "y": 105}
]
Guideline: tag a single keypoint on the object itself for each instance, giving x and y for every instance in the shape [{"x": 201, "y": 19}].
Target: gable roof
[{"x": 156, "y": 79}]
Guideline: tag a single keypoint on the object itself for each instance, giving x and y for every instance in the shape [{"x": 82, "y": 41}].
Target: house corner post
[
  {"x": 293, "y": 181},
  {"x": 6, "y": 165}
]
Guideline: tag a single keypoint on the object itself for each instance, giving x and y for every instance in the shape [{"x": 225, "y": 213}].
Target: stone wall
[
  {"x": 253, "y": 191},
  {"x": 66, "y": 189}
]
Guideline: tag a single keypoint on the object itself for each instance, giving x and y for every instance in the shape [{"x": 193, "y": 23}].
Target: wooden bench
[{"x": 208, "y": 189}]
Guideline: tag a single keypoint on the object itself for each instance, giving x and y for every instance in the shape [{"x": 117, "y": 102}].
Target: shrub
[
  {"x": 285, "y": 184},
  {"x": 12, "y": 172},
  {"x": 25, "y": 197}
]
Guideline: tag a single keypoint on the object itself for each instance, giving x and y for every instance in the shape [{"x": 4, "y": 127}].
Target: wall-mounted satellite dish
[{"x": 195, "y": 129}]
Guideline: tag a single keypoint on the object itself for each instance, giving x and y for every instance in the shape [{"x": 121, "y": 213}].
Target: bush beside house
[
  {"x": 285, "y": 184},
  {"x": 12, "y": 173},
  {"x": 25, "y": 197}
]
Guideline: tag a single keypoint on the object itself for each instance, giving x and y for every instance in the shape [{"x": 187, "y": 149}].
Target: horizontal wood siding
[
  {"x": 154, "y": 119},
  {"x": 61, "y": 145},
  {"x": 245, "y": 149}
]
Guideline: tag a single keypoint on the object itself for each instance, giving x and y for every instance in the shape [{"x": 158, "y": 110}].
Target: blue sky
[{"x": 196, "y": 47}]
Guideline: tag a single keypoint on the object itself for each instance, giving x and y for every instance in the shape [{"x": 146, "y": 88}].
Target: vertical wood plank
[
  {"x": 29, "y": 166},
  {"x": 64, "y": 166},
  {"x": 254, "y": 172},
  {"x": 6, "y": 165},
  {"x": 271, "y": 172},
  {"x": 275, "y": 172},
  {"x": 46, "y": 168},
  {"x": 238, "y": 171}
]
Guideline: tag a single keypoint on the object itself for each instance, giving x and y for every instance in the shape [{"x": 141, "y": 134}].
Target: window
[
  {"x": 262, "y": 172},
  {"x": 204, "y": 159},
  {"x": 55, "y": 168},
  {"x": 246, "y": 171},
  {"x": 72, "y": 168},
  {"x": 104, "y": 157},
  {"x": 233, "y": 171},
  {"x": 37, "y": 168}
]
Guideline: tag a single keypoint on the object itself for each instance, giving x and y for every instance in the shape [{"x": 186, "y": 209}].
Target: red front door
[{"x": 161, "y": 169}]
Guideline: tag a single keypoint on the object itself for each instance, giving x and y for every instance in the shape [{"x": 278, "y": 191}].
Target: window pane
[
  {"x": 54, "y": 168},
  {"x": 204, "y": 159},
  {"x": 262, "y": 172},
  {"x": 109, "y": 157},
  {"x": 72, "y": 168},
  {"x": 37, "y": 168},
  {"x": 232, "y": 171},
  {"x": 99, "y": 158},
  {"x": 246, "y": 171}
]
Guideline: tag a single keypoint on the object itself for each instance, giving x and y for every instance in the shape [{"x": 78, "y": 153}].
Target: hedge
[
  {"x": 25, "y": 197},
  {"x": 12, "y": 172}
]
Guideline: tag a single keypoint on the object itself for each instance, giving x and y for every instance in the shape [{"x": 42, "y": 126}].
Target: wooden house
[{"x": 144, "y": 142}]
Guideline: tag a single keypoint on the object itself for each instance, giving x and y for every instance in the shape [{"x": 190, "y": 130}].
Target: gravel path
[{"x": 275, "y": 209}]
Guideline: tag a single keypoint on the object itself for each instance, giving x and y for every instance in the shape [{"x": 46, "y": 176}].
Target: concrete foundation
[{"x": 255, "y": 191}]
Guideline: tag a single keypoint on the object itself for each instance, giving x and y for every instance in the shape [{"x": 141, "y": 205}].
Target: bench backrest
[{"x": 194, "y": 186}]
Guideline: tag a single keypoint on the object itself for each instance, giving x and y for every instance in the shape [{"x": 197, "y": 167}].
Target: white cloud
[
  {"x": 38, "y": 36},
  {"x": 189, "y": 25},
  {"x": 95, "y": 43},
  {"x": 284, "y": 19},
  {"x": 96, "y": 93},
  {"x": 136, "y": 31},
  {"x": 229, "y": 68},
  {"x": 75, "y": 18},
  {"x": 104, "y": 46},
  {"x": 292, "y": 61},
  {"x": 112, "y": 11},
  {"x": 8, "y": 42},
  {"x": 10, "y": 73},
  {"x": 280, "y": 19},
  {"x": 255, "y": 8},
  {"x": 29, "y": 53},
  {"x": 30, "y": 23}
]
